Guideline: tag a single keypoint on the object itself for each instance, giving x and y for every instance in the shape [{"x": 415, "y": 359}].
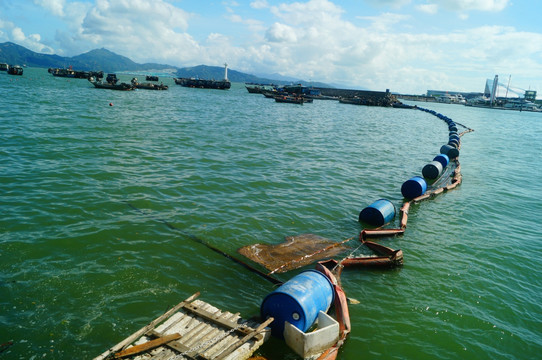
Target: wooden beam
[{"x": 149, "y": 345}]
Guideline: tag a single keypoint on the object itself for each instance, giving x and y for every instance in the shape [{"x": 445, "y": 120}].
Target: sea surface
[{"x": 90, "y": 179}]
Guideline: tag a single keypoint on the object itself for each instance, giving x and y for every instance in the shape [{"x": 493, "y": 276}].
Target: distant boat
[
  {"x": 292, "y": 99},
  {"x": 70, "y": 73},
  {"x": 521, "y": 105},
  {"x": 148, "y": 86},
  {"x": 206, "y": 84},
  {"x": 259, "y": 88},
  {"x": 151, "y": 78},
  {"x": 203, "y": 84},
  {"x": 106, "y": 85},
  {"x": 15, "y": 70},
  {"x": 110, "y": 83}
]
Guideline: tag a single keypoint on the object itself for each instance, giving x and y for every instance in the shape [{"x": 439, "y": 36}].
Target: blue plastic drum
[
  {"x": 443, "y": 159},
  {"x": 298, "y": 301},
  {"x": 450, "y": 151},
  {"x": 378, "y": 213},
  {"x": 414, "y": 187},
  {"x": 432, "y": 170}
]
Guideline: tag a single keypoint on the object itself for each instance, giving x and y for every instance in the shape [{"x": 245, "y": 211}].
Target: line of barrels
[{"x": 415, "y": 189}]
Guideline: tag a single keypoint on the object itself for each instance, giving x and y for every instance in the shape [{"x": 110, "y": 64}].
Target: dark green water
[{"x": 80, "y": 269}]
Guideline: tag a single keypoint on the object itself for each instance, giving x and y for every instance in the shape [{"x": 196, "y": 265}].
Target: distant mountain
[
  {"x": 109, "y": 62},
  {"x": 217, "y": 73},
  {"x": 100, "y": 59}
]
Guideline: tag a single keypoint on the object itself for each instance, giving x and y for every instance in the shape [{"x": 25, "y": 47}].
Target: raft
[{"x": 193, "y": 329}]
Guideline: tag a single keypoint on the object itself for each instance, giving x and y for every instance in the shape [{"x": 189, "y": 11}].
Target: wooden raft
[{"x": 193, "y": 329}]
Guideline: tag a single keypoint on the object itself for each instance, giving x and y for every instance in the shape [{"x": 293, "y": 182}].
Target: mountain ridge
[{"x": 110, "y": 62}]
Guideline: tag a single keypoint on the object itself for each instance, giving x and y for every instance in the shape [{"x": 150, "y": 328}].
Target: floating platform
[{"x": 193, "y": 329}]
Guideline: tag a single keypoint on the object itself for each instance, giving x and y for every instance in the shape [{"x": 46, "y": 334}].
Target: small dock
[{"x": 193, "y": 329}]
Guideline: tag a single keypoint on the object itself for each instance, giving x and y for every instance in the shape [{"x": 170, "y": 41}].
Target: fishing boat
[
  {"x": 253, "y": 88},
  {"x": 290, "y": 99},
  {"x": 148, "y": 86},
  {"x": 111, "y": 83},
  {"x": 205, "y": 84},
  {"x": 15, "y": 70},
  {"x": 151, "y": 78},
  {"x": 106, "y": 85}
]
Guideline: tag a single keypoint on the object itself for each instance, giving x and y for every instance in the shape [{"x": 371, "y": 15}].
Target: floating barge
[
  {"x": 193, "y": 329},
  {"x": 204, "y": 83}
]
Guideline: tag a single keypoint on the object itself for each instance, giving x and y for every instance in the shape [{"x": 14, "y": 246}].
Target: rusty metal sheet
[{"x": 295, "y": 252}]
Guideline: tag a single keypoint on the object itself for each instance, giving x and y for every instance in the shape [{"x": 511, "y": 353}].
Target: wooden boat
[
  {"x": 259, "y": 88},
  {"x": 292, "y": 99},
  {"x": 148, "y": 86},
  {"x": 193, "y": 329},
  {"x": 110, "y": 86},
  {"x": 203, "y": 84},
  {"x": 15, "y": 70}
]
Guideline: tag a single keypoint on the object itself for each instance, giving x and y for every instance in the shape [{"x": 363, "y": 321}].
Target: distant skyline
[{"x": 408, "y": 46}]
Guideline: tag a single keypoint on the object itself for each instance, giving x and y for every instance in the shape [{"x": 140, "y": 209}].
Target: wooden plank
[
  {"x": 247, "y": 337},
  {"x": 217, "y": 320},
  {"x": 130, "y": 339},
  {"x": 149, "y": 345}
]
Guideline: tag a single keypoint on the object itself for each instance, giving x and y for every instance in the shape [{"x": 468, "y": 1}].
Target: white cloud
[
  {"x": 470, "y": 5},
  {"x": 259, "y": 4},
  {"x": 56, "y": 7},
  {"x": 428, "y": 8}
]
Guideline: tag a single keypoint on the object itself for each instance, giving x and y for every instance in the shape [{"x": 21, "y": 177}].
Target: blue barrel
[
  {"x": 443, "y": 159},
  {"x": 450, "y": 151},
  {"x": 380, "y": 212},
  {"x": 452, "y": 127},
  {"x": 414, "y": 187},
  {"x": 453, "y": 135},
  {"x": 432, "y": 170},
  {"x": 298, "y": 301},
  {"x": 454, "y": 143}
]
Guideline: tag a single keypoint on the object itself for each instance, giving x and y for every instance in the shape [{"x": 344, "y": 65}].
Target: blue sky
[{"x": 408, "y": 46}]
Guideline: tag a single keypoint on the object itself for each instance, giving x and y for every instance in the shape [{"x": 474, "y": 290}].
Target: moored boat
[
  {"x": 15, "y": 70},
  {"x": 259, "y": 88},
  {"x": 292, "y": 99},
  {"x": 110, "y": 83},
  {"x": 121, "y": 86},
  {"x": 203, "y": 84},
  {"x": 148, "y": 86},
  {"x": 206, "y": 84}
]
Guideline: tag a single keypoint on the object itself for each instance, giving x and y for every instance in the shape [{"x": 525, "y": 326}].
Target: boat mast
[
  {"x": 508, "y": 86},
  {"x": 225, "y": 71},
  {"x": 494, "y": 90}
]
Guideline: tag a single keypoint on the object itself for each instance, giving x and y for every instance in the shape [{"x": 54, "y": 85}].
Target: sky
[{"x": 407, "y": 46}]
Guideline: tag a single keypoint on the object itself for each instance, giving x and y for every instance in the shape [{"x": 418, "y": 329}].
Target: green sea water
[{"x": 81, "y": 269}]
